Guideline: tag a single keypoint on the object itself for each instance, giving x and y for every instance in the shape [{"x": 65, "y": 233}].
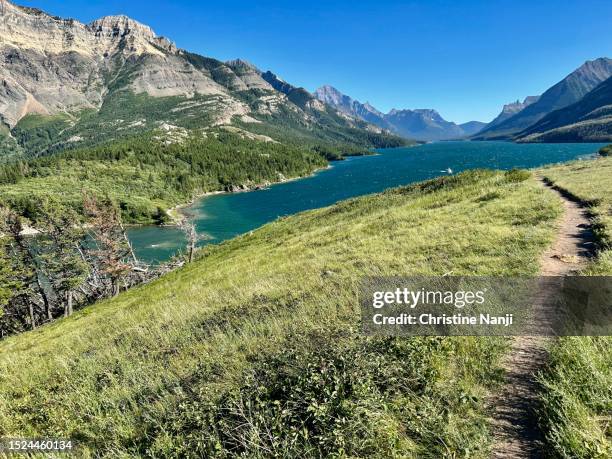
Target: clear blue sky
[{"x": 463, "y": 58}]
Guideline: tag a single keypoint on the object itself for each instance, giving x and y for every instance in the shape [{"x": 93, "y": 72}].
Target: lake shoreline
[
  {"x": 227, "y": 216},
  {"x": 178, "y": 217}
]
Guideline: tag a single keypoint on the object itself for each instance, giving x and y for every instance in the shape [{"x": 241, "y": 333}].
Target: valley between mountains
[{"x": 250, "y": 345}]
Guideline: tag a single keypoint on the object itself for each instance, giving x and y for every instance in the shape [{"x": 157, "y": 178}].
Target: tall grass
[
  {"x": 577, "y": 394},
  {"x": 254, "y": 350}
]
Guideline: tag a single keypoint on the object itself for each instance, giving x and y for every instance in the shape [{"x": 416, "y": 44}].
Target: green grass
[
  {"x": 591, "y": 181},
  {"x": 606, "y": 151},
  {"x": 254, "y": 349},
  {"x": 577, "y": 396}
]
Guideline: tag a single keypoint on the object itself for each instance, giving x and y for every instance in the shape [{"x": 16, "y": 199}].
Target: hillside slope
[
  {"x": 568, "y": 91},
  {"x": 588, "y": 120},
  {"x": 261, "y": 335},
  {"x": 67, "y": 84}
]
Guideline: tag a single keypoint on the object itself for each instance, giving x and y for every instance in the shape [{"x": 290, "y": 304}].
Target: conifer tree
[{"x": 60, "y": 253}]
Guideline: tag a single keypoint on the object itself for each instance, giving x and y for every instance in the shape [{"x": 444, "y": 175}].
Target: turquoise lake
[{"x": 221, "y": 217}]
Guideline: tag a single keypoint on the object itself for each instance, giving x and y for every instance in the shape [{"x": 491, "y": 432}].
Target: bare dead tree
[
  {"x": 114, "y": 252},
  {"x": 187, "y": 225}
]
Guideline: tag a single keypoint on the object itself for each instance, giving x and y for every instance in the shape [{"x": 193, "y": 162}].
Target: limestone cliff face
[
  {"x": 248, "y": 76},
  {"x": 47, "y": 64},
  {"x": 52, "y": 65}
]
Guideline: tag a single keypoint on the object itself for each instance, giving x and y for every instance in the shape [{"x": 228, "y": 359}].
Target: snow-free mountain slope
[
  {"x": 420, "y": 124},
  {"x": 568, "y": 91},
  {"x": 64, "y": 83}
]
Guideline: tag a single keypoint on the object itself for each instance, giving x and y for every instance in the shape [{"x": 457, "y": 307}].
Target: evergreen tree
[
  {"x": 17, "y": 306},
  {"x": 60, "y": 250}
]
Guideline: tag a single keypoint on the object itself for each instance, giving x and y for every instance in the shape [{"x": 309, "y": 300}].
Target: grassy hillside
[
  {"x": 577, "y": 397},
  {"x": 598, "y": 129},
  {"x": 254, "y": 349},
  {"x": 591, "y": 181}
]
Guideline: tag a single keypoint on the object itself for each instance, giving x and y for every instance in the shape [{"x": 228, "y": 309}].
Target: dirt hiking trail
[{"x": 515, "y": 429}]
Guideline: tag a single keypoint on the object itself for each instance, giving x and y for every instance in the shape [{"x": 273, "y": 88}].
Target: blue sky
[{"x": 462, "y": 58}]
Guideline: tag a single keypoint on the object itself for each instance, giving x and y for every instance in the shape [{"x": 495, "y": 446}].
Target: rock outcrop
[
  {"x": 53, "y": 65},
  {"x": 511, "y": 109}
]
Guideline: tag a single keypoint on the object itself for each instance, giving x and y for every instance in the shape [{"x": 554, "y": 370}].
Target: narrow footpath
[{"x": 515, "y": 429}]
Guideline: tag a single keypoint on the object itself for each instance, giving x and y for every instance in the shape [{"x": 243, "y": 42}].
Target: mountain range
[
  {"x": 420, "y": 124},
  {"x": 571, "y": 90},
  {"x": 588, "y": 120},
  {"x": 65, "y": 84},
  {"x": 576, "y": 109}
]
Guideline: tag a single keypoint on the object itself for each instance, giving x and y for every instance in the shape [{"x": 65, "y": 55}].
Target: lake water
[{"x": 224, "y": 216}]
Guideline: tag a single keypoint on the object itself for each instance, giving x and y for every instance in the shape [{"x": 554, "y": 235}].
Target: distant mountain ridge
[
  {"x": 472, "y": 127},
  {"x": 567, "y": 92},
  {"x": 331, "y": 96},
  {"x": 420, "y": 124},
  {"x": 588, "y": 120},
  {"x": 511, "y": 109}
]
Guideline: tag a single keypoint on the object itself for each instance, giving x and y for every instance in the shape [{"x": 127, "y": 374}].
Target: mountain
[
  {"x": 588, "y": 120},
  {"x": 420, "y": 124},
  {"x": 331, "y": 96},
  {"x": 472, "y": 127},
  {"x": 512, "y": 109},
  {"x": 423, "y": 124},
  {"x": 568, "y": 91},
  {"x": 66, "y": 84}
]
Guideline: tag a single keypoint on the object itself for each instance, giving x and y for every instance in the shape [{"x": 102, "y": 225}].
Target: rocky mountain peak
[
  {"x": 596, "y": 65},
  {"x": 569, "y": 90},
  {"x": 349, "y": 106},
  {"x": 425, "y": 113},
  {"x": 429, "y": 113},
  {"x": 241, "y": 64},
  {"x": 592, "y": 73},
  {"x": 369, "y": 107},
  {"x": 33, "y": 29},
  {"x": 517, "y": 106},
  {"x": 117, "y": 27},
  {"x": 331, "y": 95}
]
